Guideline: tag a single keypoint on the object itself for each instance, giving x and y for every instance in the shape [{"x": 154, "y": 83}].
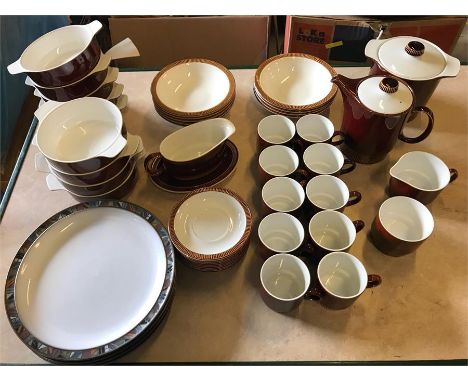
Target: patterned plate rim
[{"x": 50, "y": 352}]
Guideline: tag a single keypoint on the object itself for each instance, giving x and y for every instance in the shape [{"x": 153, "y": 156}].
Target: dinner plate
[{"x": 89, "y": 280}]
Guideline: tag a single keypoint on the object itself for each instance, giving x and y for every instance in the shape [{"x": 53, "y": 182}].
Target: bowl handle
[
  {"x": 43, "y": 110},
  {"x": 125, "y": 48},
  {"x": 372, "y": 49},
  {"x": 452, "y": 68},
  {"x": 16, "y": 67},
  {"x": 94, "y": 26},
  {"x": 53, "y": 184},
  {"x": 115, "y": 148},
  {"x": 122, "y": 102}
]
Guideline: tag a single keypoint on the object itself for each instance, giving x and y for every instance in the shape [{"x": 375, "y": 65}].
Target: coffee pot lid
[
  {"x": 385, "y": 95},
  {"x": 411, "y": 58}
]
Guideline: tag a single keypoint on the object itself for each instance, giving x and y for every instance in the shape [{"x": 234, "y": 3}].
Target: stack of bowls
[
  {"x": 295, "y": 84},
  {"x": 210, "y": 228},
  {"x": 192, "y": 90},
  {"x": 90, "y": 158},
  {"x": 68, "y": 63}
]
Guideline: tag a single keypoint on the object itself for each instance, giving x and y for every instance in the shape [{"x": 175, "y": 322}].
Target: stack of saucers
[
  {"x": 192, "y": 90},
  {"x": 210, "y": 228},
  {"x": 91, "y": 158},
  {"x": 295, "y": 84},
  {"x": 68, "y": 63},
  {"x": 91, "y": 283}
]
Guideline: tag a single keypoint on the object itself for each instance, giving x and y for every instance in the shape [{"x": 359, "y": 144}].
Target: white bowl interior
[
  {"x": 327, "y": 192},
  {"x": 56, "y": 48},
  {"x": 315, "y": 128},
  {"x": 90, "y": 278},
  {"x": 278, "y": 160},
  {"x": 283, "y": 194},
  {"x": 332, "y": 230},
  {"x": 421, "y": 170},
  {"x": 296, "y": 81},
  {"x": 285, "y": 277},
  {"x": 323, "y": 158},
  {"x": 196, "y": 140},
  {"x": 210, "y": 222},
  {"x": 342, "y": 275},
  {"x": 276, "y": 129},
  {"x": 281, "y": 232},
  {"x": 406, "y": 218},
  {"x": 80, "y": 129},
  {"x": 192, "y": 87}
]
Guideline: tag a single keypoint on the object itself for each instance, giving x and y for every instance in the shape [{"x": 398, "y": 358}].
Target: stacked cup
[
  {"x": 67, "y": 63},
  {"x": 93, "y": 157},
  {"x": 302, "y": 208}
]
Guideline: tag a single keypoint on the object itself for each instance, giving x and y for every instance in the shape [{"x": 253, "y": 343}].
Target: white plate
[
  {"x": 90, "y": 278},
  {"x": 210, "y": 222}
]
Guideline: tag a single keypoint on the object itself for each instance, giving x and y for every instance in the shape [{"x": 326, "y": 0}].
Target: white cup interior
[
  {"x": 276, "y": 129},
  {"x": 342, "y": 275},
  {"x": 315, "y": 128},
  {"x": 327, "y": 192},
  {"x": 283, "y": 194},
  {"x": 281, "y": 232},
  {"x": 296, "y": 80},
  {"x": 332, "y": 230},
  {"x": 56, "y": 48},
  {"x": 192, "y": 87},
  {"x": 421, "y": 170},
  {"x": 285, "y": 277},
  {"x": 323, "y": 158},
  {"x": 80, "y": 129},
  {"x": 278, "y": 160},
  {"x": 406, "y": 218}
]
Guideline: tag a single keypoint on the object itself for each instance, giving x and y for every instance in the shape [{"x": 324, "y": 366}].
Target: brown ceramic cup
[
  {"x": 275, "y": 130},
  {"x": 401, "y": 226},
  {"x": 279, "y": 160},
  {"x": 326, "y": 192},
  {"x": 341, "y": 280},
  {"x": 421, "y": 176},
  {"x": 332, "y": 231},
  {"x": 283, "y": 194},
  {"x": 326, "y": 159}
]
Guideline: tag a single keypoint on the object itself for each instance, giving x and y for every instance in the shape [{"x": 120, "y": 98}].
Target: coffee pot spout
[{"x": 347, "y": 86}]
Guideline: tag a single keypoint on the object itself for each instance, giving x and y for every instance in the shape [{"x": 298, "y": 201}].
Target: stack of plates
[
  {"x": 295, "y": 84},
  {"x": 91, "y": 283},
  {"x": 210, "y": 228},
  {"x": 192, "y": 90}
]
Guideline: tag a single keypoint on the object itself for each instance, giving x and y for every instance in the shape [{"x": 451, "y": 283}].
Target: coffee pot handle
[{"x": 426, "y": 132}]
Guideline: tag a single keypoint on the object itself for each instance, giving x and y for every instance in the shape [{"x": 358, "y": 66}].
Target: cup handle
[
  {"x": 373, "y": 281},
  {"x": 340, "y": 140},
  {"x": 427, "y": 130},
  {"x": 354, "y": 198},
  {"x": 348, "y": 166},
  {"x": 300, "y": 175},
  {"x": 359, "y": 225},
  {"x": 298, "y": 145},
  {"x": 150, "y": 161},
  {"x": 453, "y": 174},
  {"x": 316, "y": 293}
]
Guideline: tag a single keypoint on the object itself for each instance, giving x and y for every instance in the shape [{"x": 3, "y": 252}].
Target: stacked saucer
[
  {"x": 192, "y": 90},
  {"x": 67, "y": 63},
  {"x": 210, "y": 228},
  {"x": 295, "y": 84}
]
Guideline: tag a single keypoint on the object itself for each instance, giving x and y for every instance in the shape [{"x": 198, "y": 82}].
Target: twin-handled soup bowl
[
  {"x": 60, "y": 57},
  {"x": 421, "y": 176},
  {"x": 401, "y": 226},
  {"x": 80, "y": 136},
  {"x": 192, "y": 151}
]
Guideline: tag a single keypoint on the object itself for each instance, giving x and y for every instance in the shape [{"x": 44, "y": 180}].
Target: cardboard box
[
  {"x": 234, "y": 41},
  {"x": 342, "y": 39}
]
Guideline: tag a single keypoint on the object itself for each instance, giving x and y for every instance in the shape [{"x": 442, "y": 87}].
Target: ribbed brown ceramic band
[
  {"x": 388, "y": 85},
  {"x": 231, "y": 93},
  {"x": 284, "y": 106},
  {"x": 187, "y": 253},
  {"x": 415, "y": 48}
]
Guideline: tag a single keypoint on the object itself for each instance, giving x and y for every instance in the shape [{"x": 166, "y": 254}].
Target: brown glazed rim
[
  {"x": 285, "y": 106},
  {"x": 158, "y": 103},
  {"x": 231, "y": 252}
]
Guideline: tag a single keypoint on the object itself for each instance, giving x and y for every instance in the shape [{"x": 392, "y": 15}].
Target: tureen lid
[
  {"x": 411, "y": 58},
  {"x": 385, "y": 95}
]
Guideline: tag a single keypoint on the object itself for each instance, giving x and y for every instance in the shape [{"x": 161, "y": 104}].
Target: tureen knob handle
[
  {"x": 389, "y": 85},
  {"x": 414, "y": 48}
]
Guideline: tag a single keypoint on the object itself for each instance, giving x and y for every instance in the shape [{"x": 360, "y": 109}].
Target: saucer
[{"x": 223, "y": 169}]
